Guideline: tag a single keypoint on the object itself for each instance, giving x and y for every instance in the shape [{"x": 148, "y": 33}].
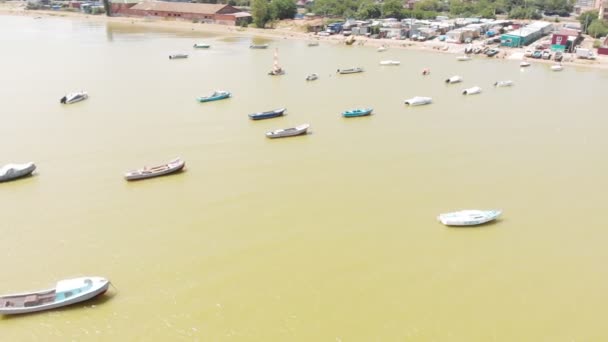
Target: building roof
[{"x": 180, "y": 7}]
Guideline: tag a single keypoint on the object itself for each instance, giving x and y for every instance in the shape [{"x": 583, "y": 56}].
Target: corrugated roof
[{"x": 179, "y": 7}]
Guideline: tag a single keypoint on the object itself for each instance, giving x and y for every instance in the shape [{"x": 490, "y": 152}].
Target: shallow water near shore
[{"x": 330, "y": 236}]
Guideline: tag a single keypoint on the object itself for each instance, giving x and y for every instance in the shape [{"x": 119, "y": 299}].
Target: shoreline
[{"x": 17, "y": 9}]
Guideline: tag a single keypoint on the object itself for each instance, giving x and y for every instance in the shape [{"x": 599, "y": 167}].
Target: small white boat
[
  {"x": 201, "y": 46},
  {"x": 381, "y": 49},
  {"x": 557, "y": 67},
  {"x": 389, "y": 62},
  {"x": 468, "y": 217},
  {"x": 471, "y": 91},
  {"x": 418, "y": 101},
  {"x": 312, "y": 77},
  {"x": 524, "y": 64},
  {"x": 507, "y": 83},
  {"x": 13, "y": 171},
  {"x": 453, "y": 79},
  {"x": 66, "y": 292},
  {"x": 178, "y": 56},
  {"x": 463, "y": 58},
  {"x": 74, "y": 97},
  {"x": 288, "y": 132},
  {"x": 313, "y": 43},
  {"x": 164, "y": 169},
  {"x": 352, "y": 70}
]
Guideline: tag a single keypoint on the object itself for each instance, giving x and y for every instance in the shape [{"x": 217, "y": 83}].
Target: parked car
[
  {"x": 558, "y": 56},
  {"x": 546, "y": 54},
  {"x": 528, "y": 53},
  {"x": 537, "y": 54}
]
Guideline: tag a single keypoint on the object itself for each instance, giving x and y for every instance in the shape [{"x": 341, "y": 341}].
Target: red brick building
[{"x": 210, "y": 13}]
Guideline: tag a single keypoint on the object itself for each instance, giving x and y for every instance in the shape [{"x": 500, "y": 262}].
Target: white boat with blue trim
[{"x": 468, "y": 217}]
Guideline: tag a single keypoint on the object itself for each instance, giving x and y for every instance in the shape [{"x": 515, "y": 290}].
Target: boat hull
[
  {"x": 469, "y": 217},
  {"x": 213, "y": 98},
  {"x": 12, "y": 172},
  {"x": 357, "y": 113},
  {"x": 172, "y": 167},
  {"x": 288, "y": 132},
  {"x": 267, "y": 115}
]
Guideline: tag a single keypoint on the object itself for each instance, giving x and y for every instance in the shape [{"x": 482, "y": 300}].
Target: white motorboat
[
  {"x": 288, "y": 132},
  {"x": 453, "y": 79},
  {"x": 418, "y": 101},
  {"x": 381, "y": 49},
  {"x": 312, "y": 77},
  {"x": 389, "y": 62},
  {"x": 507, "y": 83},
  {"x": 557, "y": 67},
  {"x": 352, "y": 70},
  {"x": 524, "y": 64},
  {"x": 173, "y": 166},
  {"x": 178, "y": 56},
  {"x": 201, "y": 46},
  {"x": 74, "y": 97},
  {"x": 13, "y": 171},
  {"x": 471, "y": 91},
  {"x": 66, "y": 292},
  {"x": 313, "y": 43},
  {"x": 463, "y": 58},
  {"x": 468, "y": 217}
]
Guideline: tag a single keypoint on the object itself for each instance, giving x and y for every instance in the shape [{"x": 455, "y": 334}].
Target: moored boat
[
  {"x": 418, "y": 101},
  {"x": 468, "y": 217},
  {"x": 313, "y": 43},
  {"x": 507, "y": 83},
  {"x": 471, "y": 91},
  {"x": 74, "y": 97},
  {"x": 352, "y": 70},
  {"x": 267, "y": 115},
  {"x": 557, "y": 67},
  {"x": 66, "y": 292},
  {"x": 389, "y": 62},
  {"x": 276, "y": 68},
  {"x": 351, "y": 113},
  {"x": 312, "y": 77},
  {"x": 201, "y": 46},
  {"x": 160, "y": 170},
  {"x": 178, "y": 56},
  {"x": 288, "y": 132},
  {"x": 463, "y": 58},
  {"x": 453, "y": 79},
  {"x": 524, "y": 64},
  {"x": 258, "y": 46},
  {"x": 13, "y": 171},
  {"x": 216, "y": 95},
  {"x": 426, "y": 71},
  {"x": 381, "y": 49}
]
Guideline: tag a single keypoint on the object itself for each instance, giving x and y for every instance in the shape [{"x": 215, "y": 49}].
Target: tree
[
  {"x": 586, "y": 18},
  {"x": 392, "y": 9},
  {"x": 260, "y": 13},
  {"x": 598, "y": 28},
  {"x": 368, "y": 10},
  {"x": 282, "y": 9}
]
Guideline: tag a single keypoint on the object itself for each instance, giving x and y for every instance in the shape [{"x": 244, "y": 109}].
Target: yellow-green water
[{"x": 326, "y": 237}]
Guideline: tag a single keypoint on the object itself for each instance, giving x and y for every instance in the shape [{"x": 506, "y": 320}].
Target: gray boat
[
  {"x": 155, "y": 171},
  {"x": 13, "y": 171}
]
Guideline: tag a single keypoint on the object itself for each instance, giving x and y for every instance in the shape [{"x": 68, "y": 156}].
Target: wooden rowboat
[{"x": 155, "y": 171}]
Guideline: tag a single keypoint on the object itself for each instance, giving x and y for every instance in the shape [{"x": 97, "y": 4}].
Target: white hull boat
[
  {"x": 557, "y": 67},
  {"x": 352, "y": 70},
  {"x": 471, "y": 91},
  {"x": 507, "y": 83},
  {"x": 288, "y": 132},
  {"x": 178, "y": 56},
  {"x": 453, "y": 79},
  {"x": 418, "y": 101},
  {"x": 74, "y": 97},
  {"x": 312, "y": 77},
  {"x": 66, "y": 292},
  {"x": 155, "y": 171},
  {"x": 381, "y": 49},
  {"x": 201, "y": 46},
  {"x": 524, "y": 64},
  {"x": 13, "y": 171},
  {"x": 468, "y": 217},
  {"x": 390, "y": 63},
  {"x": 463, "y": 58}
]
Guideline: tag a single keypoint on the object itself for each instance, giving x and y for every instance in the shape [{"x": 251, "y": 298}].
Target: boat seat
[
  {"x": 8, "y": 303},
  {"x": 31, "y": 300}
]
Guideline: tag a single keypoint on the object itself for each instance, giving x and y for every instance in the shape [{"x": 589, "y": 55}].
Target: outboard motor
[{"x": 63, "y": 99}]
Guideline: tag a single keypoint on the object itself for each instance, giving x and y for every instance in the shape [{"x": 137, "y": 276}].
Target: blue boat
[
  {"x": 357, "y": 112},
  {"x": 267, "y": 115},
  {"x": 217, "y": 95}
]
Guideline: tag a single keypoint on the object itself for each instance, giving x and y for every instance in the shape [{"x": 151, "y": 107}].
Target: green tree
[
  {"x": 368, "y": 10},
  {"x": 598, "y": 28},
  {"x": 282, "y": 9},
  {"x": 586, "y": 18},
  {"x": 392, "y": 9},
  {"x": 260, "y": 12}
]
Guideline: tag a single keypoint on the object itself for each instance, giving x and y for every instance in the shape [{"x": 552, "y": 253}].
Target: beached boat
[
  {"x": 201, "y": 46},
  {"x": 349, "y": 40},
  {"x": 492, "y": 52},
  {"x": 178, "y": 56},
  {"x": 471, "y": 91},
  {"x": 276, "y": 68},
  {"x": 507, "y": 83},
  {"x": 216, "y": 95},
  {"x": 267, "y": 115},
  {"x": 463, "y": 58},
  {"x": 524, "y": 64},
  {"x": 357, "y": 112},
  {"x": 312, "y": 77},
  {"x": 468, "y": 217},
  {"x": 389, "y": 62},
  {"x": 66, "y": 292},
  {"x": 288, "y": 132},
  {"x": 164, "y": 169},
  {"x": 381, "y": 49},
  {"x": 453, "y": 79},
  {"x": 74, "y": 97},
  {"x": 314, "y": 43},
  {"x": 426, "y": 71},
  {"x": 557, "y": 67},
  {"x": 418, "y": 101},
  {"x": 258, "y": 46},
  {"x": 13, "y": 171},
  {"x": 352, "y": 70}
]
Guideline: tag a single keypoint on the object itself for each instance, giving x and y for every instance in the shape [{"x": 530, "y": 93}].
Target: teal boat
[
  {"x": 217, "y": 95},
  {"x": 357, "y": 112}
]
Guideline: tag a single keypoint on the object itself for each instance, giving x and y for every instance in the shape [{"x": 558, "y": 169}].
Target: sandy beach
[{"x": 294, "y": 30}]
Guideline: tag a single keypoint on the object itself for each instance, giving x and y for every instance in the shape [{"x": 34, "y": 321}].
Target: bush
[{"x": 597, "y": 44}]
